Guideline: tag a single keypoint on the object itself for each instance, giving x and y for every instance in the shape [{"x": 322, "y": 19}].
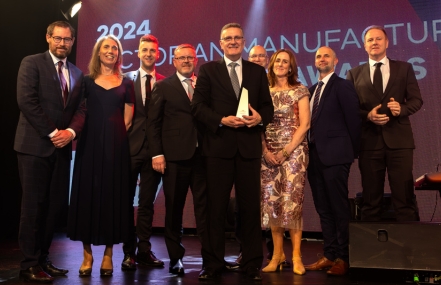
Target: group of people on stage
[{"x": 185, "y": 130}]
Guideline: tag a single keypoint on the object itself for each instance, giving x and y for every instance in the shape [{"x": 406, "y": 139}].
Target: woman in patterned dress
[{"x": 285, "y": 159}]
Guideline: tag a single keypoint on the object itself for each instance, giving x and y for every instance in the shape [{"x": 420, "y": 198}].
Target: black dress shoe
[
  {"x": 254, "y": 274},
  {"x": 128, "y": 263},
  {"x": 52, "y": 270},
  {"x": 176, "y": 267},
  {"x": 85, "y": 272},
  {"x": 148, "y": 258},
  {"x": 207, "y": 275},
  {"x": 35, "y": 274},
  {"x": 106, "y": 272},
  {"x": 231, "y": 266}
]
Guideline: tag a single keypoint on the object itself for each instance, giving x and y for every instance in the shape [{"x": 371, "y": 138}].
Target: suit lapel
[
  {"x": 138, "y": 92},
  {"x": 367, "y": 79},
  {"x": 224, "y": 77},
  {"x": 73, "y": 76},
  {"x": 177, "y": 84},
  {"x": 392, "y": 75},
  {"x": 325, "y": 93}
]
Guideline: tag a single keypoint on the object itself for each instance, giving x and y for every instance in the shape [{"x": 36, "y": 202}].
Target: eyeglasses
[
  {"x": 185, "y": 58},
  {"x": 258, "y": 55},
  {"x": 57, "y": 40},
  {"x": 229, "y": 39}
]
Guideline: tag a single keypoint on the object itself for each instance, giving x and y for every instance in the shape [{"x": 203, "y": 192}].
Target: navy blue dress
[{"x": 100, "y": 199}]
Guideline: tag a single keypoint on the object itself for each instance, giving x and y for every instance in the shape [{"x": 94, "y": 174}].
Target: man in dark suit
[
  {"x": 233, "y": 148},
  {"x": 334, "y": 140},
  {"x": 175, "y": 142},
  {"x": 141, "y": 162},
  {"x": 389, "y": 94},
  {"x": 52, "y": 113}
]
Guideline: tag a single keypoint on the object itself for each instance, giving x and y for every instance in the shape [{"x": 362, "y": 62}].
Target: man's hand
[
  {"x": 158, "y": 164},
  {"x": 232, "y": 121},
  {"x": 253, "y": 120},
  {"x": 394, "y": 107},
  {"x": 62, "y": 138},
  {"x": 378, "y": 119}
]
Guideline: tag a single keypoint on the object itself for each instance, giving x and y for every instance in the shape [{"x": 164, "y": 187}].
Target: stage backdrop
[{"x": 413, "y": 27}]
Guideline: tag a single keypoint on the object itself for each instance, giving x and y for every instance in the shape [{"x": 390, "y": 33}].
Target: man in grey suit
[
  {"x": 52, "y": 113},
  {"x": 141, "y": 162}
]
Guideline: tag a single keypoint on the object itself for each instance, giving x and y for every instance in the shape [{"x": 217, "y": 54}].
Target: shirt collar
[
  {"x": 182, "y": 78},
  {"x": 384, "y": 61},
  {"x": 143, "y": 73},
  {"x": 228, "y": 61},
  {"x": 326, "y": 78},
  {"x": 56, "y": 60}
]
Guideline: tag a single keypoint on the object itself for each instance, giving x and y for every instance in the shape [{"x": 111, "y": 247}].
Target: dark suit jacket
[
  {"x": 137, "y": 132},
  {"x": 337, "y": 129},
  {"x": 171, "y": 128},
  {"x": 214, "y": 98},
  {"x": 403, "y": 87},
  {"x": 41, "y": 105}
]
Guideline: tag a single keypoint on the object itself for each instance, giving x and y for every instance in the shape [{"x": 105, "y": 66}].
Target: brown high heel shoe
[
  {"x": 275, "y": 264},
  {"x": 297, "y": 266},
  {"x": 86, "y": 271}
]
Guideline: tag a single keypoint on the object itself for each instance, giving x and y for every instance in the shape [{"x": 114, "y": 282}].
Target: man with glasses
[
  {"x": 52, "y": 112},
  {"x": 258, "y": 55},
  {"x": 175, "y": 146},
  {"x": 233, "y": 149},
  {"x": 141, "y": 162}
]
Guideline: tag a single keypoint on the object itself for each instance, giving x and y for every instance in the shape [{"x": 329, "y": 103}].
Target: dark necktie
[
  {"x": 148, "y": 92},
  {"x": 315, "y": 105},
  {"x": 234, "y": 78},
  {"x": 378, "y": 79},
  {"x": 189, "y": 82},
  {"x": 63, "y": 82}
]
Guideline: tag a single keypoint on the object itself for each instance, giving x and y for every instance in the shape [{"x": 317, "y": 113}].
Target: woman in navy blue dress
[{"x": 100, "y": 200}]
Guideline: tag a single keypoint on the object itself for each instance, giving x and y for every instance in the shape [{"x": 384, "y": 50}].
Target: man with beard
[
  {"x": 334, "y": 139},
  {"x": 141, "y": 162},
  {"x": 175, "y": 143},
  {"x": 52, "y": 113}
]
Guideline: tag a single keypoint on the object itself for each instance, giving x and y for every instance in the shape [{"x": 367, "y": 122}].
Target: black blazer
[
  {"x": 337, "y": 129},
  {"x": 214, "y": 98},
  {"x": 41, "y": 105},
  {"x": 171, "y": 128},
  {"x": 403, "y": 87},
  {"x": 137, "y": 131}
]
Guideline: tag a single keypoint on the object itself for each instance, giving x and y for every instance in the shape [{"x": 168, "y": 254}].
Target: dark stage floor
[{"x": 68, "y": 254}]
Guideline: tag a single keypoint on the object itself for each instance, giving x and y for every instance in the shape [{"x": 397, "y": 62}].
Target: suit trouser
[
  {"x": 329, "y": 187},
  {"x": 178, "y": 177},
  {"x": 45, "y": 186},
  {"x": 244, "y": 173},
  {"x": 398, "y": 163},
  {"x": 141, "y": 166}
]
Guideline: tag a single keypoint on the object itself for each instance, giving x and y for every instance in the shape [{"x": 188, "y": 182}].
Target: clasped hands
[
  {"x": 62, "y": 138},
  {"x": 382, "y": 119},
  {"x": 249, "y": 121},
  {"x": 274, "y": 159}
]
